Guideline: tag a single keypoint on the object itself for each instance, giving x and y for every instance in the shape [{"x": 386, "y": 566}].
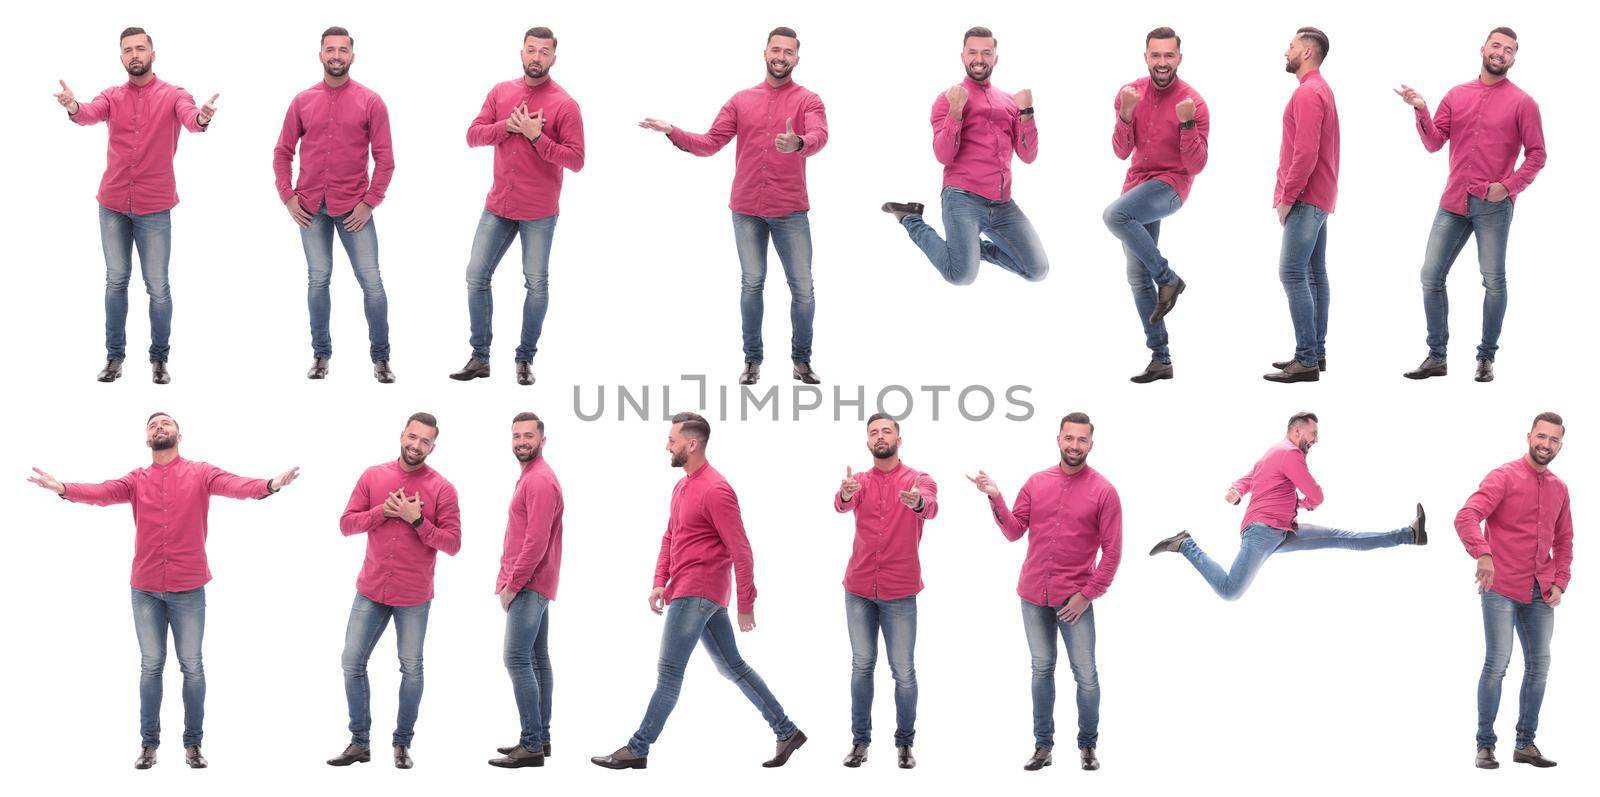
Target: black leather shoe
[
  {"x": 353, "y": 754},
  {"x": 510, "y": 748},
  {"x": 857, "y": 756},
  {"x": 1419, "y": 528},
  {"x": 1170, "y": 543},
  {"x": 903, "y": 209},
  {"x": 192, "y": 757},
  {"x": 518, "y": 758},
  {"x": 1294, "y": 372},
  {"x": 1155, "y": 370},
  {"x": 904, "y": 755},
  {"x": 474, "y": 369},
  {"x": 319, "y": 369},
  {"x": 110, "y": 373},
  {"x": 786, "y": 748},
  {"x": 1087, "y": 760},
  {"x": 1322, "y": 364},
  {"x": 1531, "y": 755},
  {"x": 524, "y": 373},
  {"x": 751, "y": 374},
  {"x": 1429, "y": 367},
  {"x": 402, "y": 757},
  {"x": 1485, "y": 759},
  {"x": 1166, "y": 299},
  {"x": 1040, "y": 759},
  {"x": 381, "y": 372},
  {"x": 623, "y": 758},
  {"x": 1485, "y": 371},
  {"x": 803, "y": 373},
  {"x": 160, "y": 375},
  {"x": 146, "y": 759}
]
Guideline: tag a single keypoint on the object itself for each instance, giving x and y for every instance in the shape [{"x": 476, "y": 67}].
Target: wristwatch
[
  {"x": 1189, "y": 125},
  {"x": 1028, "y": 111}
]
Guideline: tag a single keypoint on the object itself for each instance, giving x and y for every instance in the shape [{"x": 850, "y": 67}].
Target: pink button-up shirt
[
  {"x": 527, "y": 175},
  {"x": 1308, "y": 158},
  {"x": 883, "y": 560},
  {"x": 1069, "y": 519},
  {"x": 976, "y": 149},
  {"x": 1275, "y": 485},
  {"x": 1161, "y": 149},
  {"x": 704, "y": 536},
  {"x": 1487, "y": 126},
  {"x": 170, "y": 504},
  {"x": 531, "y": 558},
  {"x": 334, "y": 128},
  {"x": 144, "y": 122},
  {"x": 1529, "y": 533},
  {"x": 398, "y": 570},
  {"x": 766, "y": 182}
]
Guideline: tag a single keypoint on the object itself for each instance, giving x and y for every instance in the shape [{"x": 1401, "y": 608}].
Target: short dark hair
[
  {"x": 1550, "y": 417},
  {"x": 126, "y": 32},
  {"x": 155, "y": 415},
  {"x": 1318, "y": 39},
  {"x": 424, "y": 418},
  {"x": 1076, "y": 417},
  {"x": 528, "y": 416},
  {"x": 541, "y": 32},
  {"x": 1301, "y": 419},
  {"x": 337, "y": 31},
  {"x": 694, "y": 426},
  {"x": 978, "y": 32},
  {"x": 786, "y": 31},
  {"x": 1163, "y": 32},
  {"x": 1502, "y": 30},
  {"x": 882, "y": 416}
]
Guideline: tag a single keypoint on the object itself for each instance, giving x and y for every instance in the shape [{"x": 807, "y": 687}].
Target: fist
[
  {"x": 1186, "y": 110},
  {"x": 1128, "y": 99},
  {"x": 957, "y": 97},
  {"x": 1024, "y": 98},
  {"x": 1233, "y": 496}
]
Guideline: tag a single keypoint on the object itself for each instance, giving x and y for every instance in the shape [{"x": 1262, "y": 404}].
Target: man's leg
[
  {"x": 410, "y": 627},
  {"x": 1302, "y": 239},
  {"x": 186, "y": 612},
  {"x": 1311, "y": 538},
  {"x": 750, "y": 236},
  {"x": 964, "y": 213},
  {"x": 1321, "y": 293},
  {"x": 317, "y": 241},
  {"x": 861, "y": 620},
  {"x": 1039, "y": 624},
  {"x": 116, "y": 240},
  {"x": 1256, "y": 544},
  {"x": 898, "y": 619},
  {"x": 367, "y": 621},
  {"x": 489, "y": 245},
  {"x": 1144, "y": 299},
  {"x": 1491, "y": 225},
  {"x": 1079, "y": 638},
  {"x": 362, "y": 249},
  {"x": 791, "y": 236},
  {"x": 524, "y": 624},
  {"x": 546, "y": 675},
  {"x": 152, "y": 234},
  {"x": 537, "y": 236},
  {"x": 1012, "y": 244},
  {"x": 1448, "y": 236},
  {"x": 1130, "y": 217},
  {"x": 1536, "y": 624},
  {"x": 724, "y": 651},
  {"x": 1499, "y": 618},
  {"x": 686, "y": 619},
  {"x": 150, "y": 626}
]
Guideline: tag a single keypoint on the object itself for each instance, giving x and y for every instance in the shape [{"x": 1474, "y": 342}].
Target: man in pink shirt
[
  {"x": 409, "y": 513},
  {"x": 536, "y": 130},
  {"x": 780, "y": 125},
  {"x": 171, "y": 502},
  {"x": 1072, "y": 516},
  {"x": 1308, "y": 184},
  {"x": 1279, "y": 486},
  {"x": 530, "y": 567},
  {"x": 1487, "y": 122},
  {"x": 881, "y": 582},
  {"x": 334, "y": 124},
  {"x": 705, "y": 537},
  {"x": 976, "y": 128},
  {"x": 1162, "y": 129},
  {"x": 1518, "y": 525},
  {"x": 138, "y": 191}
]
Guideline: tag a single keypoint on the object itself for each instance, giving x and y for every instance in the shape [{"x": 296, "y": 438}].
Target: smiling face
[
  {"x": 680, "y": 445},
  {"x": 138, "y": 55},
  {"x": 883, "y": 439},
  {"x": 1161, "y": 57},
  {"x": 781, "y": 56},
  {"x": 416, "y": 443},
  {"x": 978, "y": 56},
  {"x": 538, "y": 55},
  {"x": 527, "y": 442},
  {"x": 161, "y": 433},
  {"x": 337, "y": 55},
  {"x": 1076, "y": 441},
  {"x": 1499, "y": 53},
  {"x": 1304, "y": 436},
  {"x": 1544, "y": 442}
]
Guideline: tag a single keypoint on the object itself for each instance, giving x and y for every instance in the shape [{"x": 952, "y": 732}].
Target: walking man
[
  {"x": 409, "y": 513},
  {"x": 138, "y": 191},
  {"x": 1163, "y": 125},
  {"x": 171, "y": 501},
  {"x": 704, "y": 537},
  {"x": 335, "y": 123},
  {"x": 1487, "y": 122},
  {"x": 976, "y": 128},
  {"x": 537, "y": 133},
  {"x": 881, "y": 582},
  {"x": 1518, "y": 525},
  {"x": 780, "y": 125},
  {"x": 1279, "y": 486}
]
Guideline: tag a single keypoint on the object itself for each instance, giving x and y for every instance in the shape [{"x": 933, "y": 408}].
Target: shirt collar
[{"x": 1315, "y": 73}]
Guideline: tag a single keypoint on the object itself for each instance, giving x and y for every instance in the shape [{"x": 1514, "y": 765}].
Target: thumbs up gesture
[
  {"x": 787, "y": 141},
  {"x": 209, "y": 109},
  {"x": 849, "y": 487}
]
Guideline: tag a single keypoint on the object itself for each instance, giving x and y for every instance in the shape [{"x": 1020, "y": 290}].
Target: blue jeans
[
  {"x": 1490, "y": 223},
  {"x": 185, "y": 614},
  {"x": 1042, "y": 624},
  {"x": 1303, "y": 270},
  {"x": 362, "y": 248},
  {"x": 527, "y": 657},
  {"x": 1534, "y": 623},
  {"x": 691, "y": 620},
  {"x": 1135, "y": 219},
  {"x": 152, "y": 234},
  {"x": 898, "y": 620},
  {"x": 1260, "y": 541},
  {"x": 1011, "y": 245},
  {"x": 368, "y": 619},
  {"x": 488, "y": 247},
  {"x": 791, "y": 236}
]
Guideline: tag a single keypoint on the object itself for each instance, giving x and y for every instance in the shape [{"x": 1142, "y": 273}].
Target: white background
[{"x": 1339, "y": 671}]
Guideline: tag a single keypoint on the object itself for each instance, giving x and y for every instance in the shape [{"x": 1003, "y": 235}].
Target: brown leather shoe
[
  {"x": 110, "y": 373},
  {"x": 1166, "y": 299},
  {"x": 507, "y": 750},
  {"x": 856, "y": 757},
  {"x": 319, "y": 369},
  {"x": 1087, "y": 760},
  {"x": 903, "y": 754},
  {"x": 381, "y": 372},
  {"x": 1485, "y": 371},
  {"x": 1485, "y": 759},
  {"x": 1419, "y": 527},
  {"x": 1170, "y": 544},
  {"x": 1040, "y": 759},
  {"x": 804, "y": 374},
  {"x": 1531, "y": 755},
  {"x": 751, "y": 374},
  {"x": 1294, "y": 372},
  {"x": 524, "y": 373},
  {"x": 1155, "y": 370},
  {"x": 402, "y": 757},
  {"x": 353, "y": 754},
  {"x": 474, "y": 369},
  {"x": 1430, "y": 367},
  {"x": 903, "y": 209},
  {"x": 1322, "y": 364},
  {"x": 146, "y": 759},
  {"x": 519, "y": 757},
  {"x": 161, "y": 376},
  {"x": 786, "y": 748},
  {"x": 192, "y": 757},
  {"x": 623, "y": 758}
]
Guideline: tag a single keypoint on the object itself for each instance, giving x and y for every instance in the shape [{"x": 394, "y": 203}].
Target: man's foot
[
  {"x": 1485, "y": 759},
  {"x": 1531, "y": 755},
  {"x": 803, "y": 373},
  {"x": 904, "y": 755},
  {"x": 510, "y": 748},
  {"x": 474, "y": 369},
  {"x": 1419, "y": 528},
  {"x": 1294, "y": 372},
  {"x": 159, "y": 373},
  {"x": 903, "y": 209},
  {"x": 519, "y": 757},
  {"x": 751, "y": 374},
  {"x": 146, "y": 759},
  {"x": 1170, "y": 544},
  {"x": 1485, "y": 371},
  {"x": 1166, "y": 299},
  {"x": 192, "y": 757},
  {"x": 1322, "y": 364},
  {"x": 319, "y": 369},
  {"x": 786, "y": 748},
  {"x": 857, "y": 756},
  {"x": 402, "y": 757},
  {"x": 1429, "y": 367},
  {"x": 1040, "y": 759},
  {"x": 1155, "y": 370},
  {"x": 110, "y": 373},
  {"x": 623, "y": 758},
  {"x": 353, "y": 754},
  {"x": 1087, "y": 760},
  {"x": 381, "y": 372},
  {"x": 524, "y": 373}
]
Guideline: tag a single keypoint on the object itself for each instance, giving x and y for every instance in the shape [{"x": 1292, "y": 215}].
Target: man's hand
[
  {"x": 1497, "y": 192},
  {"x": 1024, "y": 99},
  {"x": 299, "y": 214},
  {"x": 209, "y": 110},
  {"x": 1076, "y": 606},
  {"x": 658, "y": 599},
  {"x": 1233, "y": 496},
  {"x": 656, "y": 125},
  {"x": 912, "y": 498},
  {"x": 985, "y": 484},
  {"x": 957, "y": 97},
  {"x": 787, "y": 141},
  {"x": 1186, "y": 110},
  {"x": 284, "y": 479},
  {"x": 533, "y": 124},
  {"x": 48, "y": 482},
  {"x": 747, "y": 621},
  {"x": 507, "y": 595},
  {"x": 1485, "y": 573},
  {"x": 849, "y": 487},
  {"x": 1554, "y": 598},
  {"x": 1411, "y": 97},
  {"x": 1126, "y": 102},
  {"x": 66, "y": 98},
  {"x": 358, "y": 218},
  {"x": 391, "y": 504},
  {"x": 410, "y": 507},
  {"x": 1283, "y": 214}
]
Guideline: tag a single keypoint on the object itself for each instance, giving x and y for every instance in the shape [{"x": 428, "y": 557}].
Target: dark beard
[
  {"x": 405, "y": 456},
  {"x": 1291, "y": 67},
  {"x": 336, "y": 71},
  {"x": 1171, "y": 78},
  {"x": 1067, "y": 460},
  {"x": 1497, "y": 71},
  {"x": 885, "y": 454},
  {"x": 535, "y": 72},
  {"x": 679, "y": 461},
  {"x": 1538, "y": 460},
  {"x": 986, "y": 74},
  {"x": 531, "y": 456},
  {"x": 172, "y": 442},
  {"x": 139, "y": 71},
  {"x": 776, "y": 75}
]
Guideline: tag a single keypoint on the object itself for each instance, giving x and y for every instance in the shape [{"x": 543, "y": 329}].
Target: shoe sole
[
  {"x": 1141, "y": 379},
  {"x": 518, "y": 764},
  {"x": 351, "y": 761},
  {"x": 1419, "y": 536},
  {"x": 1025, "y": 768},
  {"x": 855, "y": 764},
  {"x": 1516, "y": 759},
  {"x": 1429, "y": 375},
  {"x": 1495, "y": 765},
  {"x": 620, "y": 765},
  {"x": 1292, "y": 379},
  {"x": 469, "y": 378}
]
